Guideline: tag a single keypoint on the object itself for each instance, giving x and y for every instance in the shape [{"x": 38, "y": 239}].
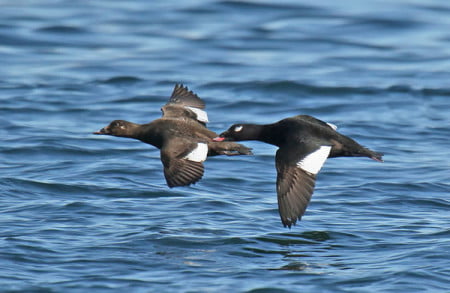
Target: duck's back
[
  {"x": 298, "y": 129},
  {"x": 317, "y": 131},
  {"x": 160, "y": 130}
]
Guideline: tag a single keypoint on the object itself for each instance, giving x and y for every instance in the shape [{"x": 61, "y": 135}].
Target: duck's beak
[
  {"x": 222, "y": 137},
  {"x": 101, "y": 131}
]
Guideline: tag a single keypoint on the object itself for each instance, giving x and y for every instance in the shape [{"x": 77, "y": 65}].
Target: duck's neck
[
  {"x": 263, "y": 132},
  {"x": 270, "y": 134},
  {"x": 149, "y": 133}
]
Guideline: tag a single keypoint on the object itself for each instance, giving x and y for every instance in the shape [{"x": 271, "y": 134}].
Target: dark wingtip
[
  {"x": 288, "y": 223},
  {"x": 180, "y": 85}
]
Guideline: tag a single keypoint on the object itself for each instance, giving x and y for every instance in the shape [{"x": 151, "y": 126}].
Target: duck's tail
[
  {"x": 376, "y": 156},
  {"x": 365, "y": 152}
]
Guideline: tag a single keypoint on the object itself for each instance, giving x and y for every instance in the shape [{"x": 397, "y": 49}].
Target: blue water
[{"x": 86, "y": 213}]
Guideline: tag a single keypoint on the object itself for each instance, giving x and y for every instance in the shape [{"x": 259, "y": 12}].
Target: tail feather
[
  {"x": 365, "y": 152},
  {"x": 377, "y": 156}
]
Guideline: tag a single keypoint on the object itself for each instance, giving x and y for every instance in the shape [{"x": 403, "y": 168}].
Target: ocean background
[{"x": 86, "y": 213}]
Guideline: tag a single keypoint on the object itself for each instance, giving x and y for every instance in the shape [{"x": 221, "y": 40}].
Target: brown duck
[{"x": 181, "y": 135}]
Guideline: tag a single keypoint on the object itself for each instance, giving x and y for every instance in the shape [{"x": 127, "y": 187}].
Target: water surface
[{"x": 86, "y": 213}]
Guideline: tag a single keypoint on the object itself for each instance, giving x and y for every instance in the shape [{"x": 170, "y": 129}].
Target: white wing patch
[
  {"x": 199, "y": 153},
  {"x": 313, "y": 162},
  {"x": 201, "y": 115},
  {"x": 332, "y": 126}
]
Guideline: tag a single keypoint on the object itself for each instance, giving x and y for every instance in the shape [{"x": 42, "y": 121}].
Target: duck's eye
[
  {"x": 118, "y": 125},
  {"x": 238, "y": 128}
]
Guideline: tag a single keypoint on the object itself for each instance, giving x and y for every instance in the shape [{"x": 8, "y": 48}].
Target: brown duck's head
[{"x": 120, "y": 128}]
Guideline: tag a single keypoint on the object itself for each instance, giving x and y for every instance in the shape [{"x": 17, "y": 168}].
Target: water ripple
[{"x": 81, "y": 212}]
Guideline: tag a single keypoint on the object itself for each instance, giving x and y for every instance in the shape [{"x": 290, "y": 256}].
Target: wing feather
[
  {"x": 183, "y": 103},
  {"x": 182, "y": 95},
  {"x": 295, "y": 183},
  {"x": 180, "y": 169}
]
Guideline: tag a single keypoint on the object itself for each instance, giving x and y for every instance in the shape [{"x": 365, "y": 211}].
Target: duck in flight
[
  {"x": 304, "y": 143},
  {"x": 181, "y": 135}
]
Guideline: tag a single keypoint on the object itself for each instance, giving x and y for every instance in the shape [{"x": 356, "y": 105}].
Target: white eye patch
[{"x": 238, "y": 128}]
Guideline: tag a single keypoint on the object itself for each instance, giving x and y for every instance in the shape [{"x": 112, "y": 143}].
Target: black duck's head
[
  {"x": 238, "y": 132},
  {"x": 120, "y": 128}
]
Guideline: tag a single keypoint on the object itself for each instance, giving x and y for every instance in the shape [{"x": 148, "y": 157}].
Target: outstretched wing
[
  {"x": 296, "y": 176},
  {"x": 183, "y": 103},
  {"x": 182, "y": 95},
  {"x": 183, "y": 161}
]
